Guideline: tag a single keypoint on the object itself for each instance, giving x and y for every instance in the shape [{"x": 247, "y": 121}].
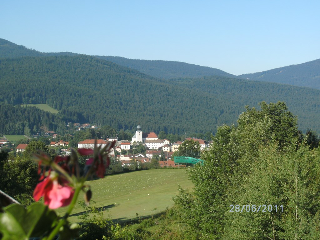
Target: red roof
[
  {"x": 149, "y": 135},
  {"x": 197, "y": 140},
  {"x": 92, "y": 141},
  {"x": 152, "y": 135},
  {"x": 125, "y": 143},
  {"x": 22, "y": 146}
]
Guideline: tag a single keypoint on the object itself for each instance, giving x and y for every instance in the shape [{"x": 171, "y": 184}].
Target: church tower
[{"x": 138, "y": 134}]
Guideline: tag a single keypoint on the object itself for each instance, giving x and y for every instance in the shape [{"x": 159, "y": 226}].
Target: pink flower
[{"x": 55, "y": 195}]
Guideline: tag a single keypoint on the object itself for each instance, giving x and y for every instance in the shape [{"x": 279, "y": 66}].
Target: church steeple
[{"x": 139, "y": 134}]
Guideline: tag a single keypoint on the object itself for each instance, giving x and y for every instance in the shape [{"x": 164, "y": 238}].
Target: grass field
[
  {"x": 14, "y": 138},
  {"x": 43, "y": 107},
  {"x": 140, "y": 193}
]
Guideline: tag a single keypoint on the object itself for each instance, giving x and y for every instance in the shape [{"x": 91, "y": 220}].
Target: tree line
[
  {"x": 88, "y": 89},
  {"x": 260, "y": 180}
]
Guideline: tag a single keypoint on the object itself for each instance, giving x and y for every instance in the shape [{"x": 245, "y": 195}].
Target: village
[{"x": 162, "y": 149}]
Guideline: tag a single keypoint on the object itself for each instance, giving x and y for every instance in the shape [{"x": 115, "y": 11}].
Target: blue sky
[{"x": 232, "y": 35}]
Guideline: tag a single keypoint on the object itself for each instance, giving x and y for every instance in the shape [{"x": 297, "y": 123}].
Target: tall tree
[
  {"x": 236, "y": 159},
  {"x": 189, "y": 148}
]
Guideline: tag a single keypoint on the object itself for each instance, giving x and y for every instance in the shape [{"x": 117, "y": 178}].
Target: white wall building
[
  {"x": 154, "y": 144},
  {"x": 89, "y": 143},
  {"x": 137, "y": 136},
  {"x": 125, "y": 146}
]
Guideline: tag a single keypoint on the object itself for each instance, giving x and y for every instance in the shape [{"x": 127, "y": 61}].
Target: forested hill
[
  {"x": 105, "y": 93},
  {"x": 167, "y": 69},
  {"x": 159, "y": 69},
  {"x": 12, "y": 50},
  {"x": 303, "y": 75}
]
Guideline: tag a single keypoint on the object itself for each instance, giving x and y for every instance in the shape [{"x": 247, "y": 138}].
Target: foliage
[
  {"x": 154, "y": 163},
  {"x": 262, "y": 161},
  {"x": 189, "y": 148},
  {"x": 303, "y": 75},
  {"x": 19, "y": 120},
  {"x": 166, "y": 69},
  {"x": 166, "y": 225},
  {"x": 95, "y": 226},
  {"x": 18, "y": 178},
  {"x": 286, "y": 178},
  {"x": 48, "y": 80},
  {"x": 37, "y": 220},
  {"x": 60, "y": 187},
  {"x": 36, "y": 147}
]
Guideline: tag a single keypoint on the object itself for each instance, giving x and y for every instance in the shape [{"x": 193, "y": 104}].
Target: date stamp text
[{"x": 256, "y": 208}]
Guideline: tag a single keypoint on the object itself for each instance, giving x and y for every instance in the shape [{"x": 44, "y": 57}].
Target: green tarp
[{"x": 185, "y": 160}]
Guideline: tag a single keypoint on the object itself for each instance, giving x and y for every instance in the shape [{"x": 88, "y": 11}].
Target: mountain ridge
[
  {"x": 104, "y": 92},
  {"x": 168, "y": 69},
  {"x": 303, "y": 75}
]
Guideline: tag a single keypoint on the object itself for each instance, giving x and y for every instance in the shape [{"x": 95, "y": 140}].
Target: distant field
[
  {"x": 14, "y": 138},
  {"x": 43, "y": 107},
  {"x": 143, "y": 192}
]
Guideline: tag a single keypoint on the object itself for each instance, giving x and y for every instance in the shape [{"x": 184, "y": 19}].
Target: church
[{"x": 139, "y": 136}]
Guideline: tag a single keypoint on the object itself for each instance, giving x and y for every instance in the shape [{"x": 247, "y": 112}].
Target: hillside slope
[
  {"x": 106, "y": 93},
  {"x": 12, "y": 50},
  {"x": 159, "y": 69},
  {"x": 167, "y": 69},
  {"x": 303, "y": 75}
]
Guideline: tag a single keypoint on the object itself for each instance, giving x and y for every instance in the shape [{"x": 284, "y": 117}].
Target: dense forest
[
  {"x": 11, "y": 50},
  {"x": 160, "y": 69},
  {"x": 167, "y": 69},
  {"x": 104, "y": 93},
  {"x": 302, "y": 75},
  {"x": 92, "y": 89},
  {"x": 28, "y": 120}
]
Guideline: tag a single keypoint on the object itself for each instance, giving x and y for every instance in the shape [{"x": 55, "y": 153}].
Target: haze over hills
[
  {"x": 12, "y": 50},
  {"x": 303, "y": 75},
  {"x": 159, "y": 69},
  {"x": 167, "y": 69},
  {"x": 104, "y": 93}
]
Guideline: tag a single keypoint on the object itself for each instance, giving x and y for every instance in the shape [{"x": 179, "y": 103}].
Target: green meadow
[
  {"x": 14, "y": 138},
  {"x": 141, "y": 193},
  {"x": 43, "y": 107}
]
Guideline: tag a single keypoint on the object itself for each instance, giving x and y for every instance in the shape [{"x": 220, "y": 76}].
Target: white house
[
  {"x": 166, "y": 141},
  {"x": 166, "y": 148},
  {"x": 125, "y": 145},
  {"x": 175, "y": 146},
  {"x": 154, "y": 144},
  {"x": 89, "y": 143},
  {"x": 21, "y": 147}
]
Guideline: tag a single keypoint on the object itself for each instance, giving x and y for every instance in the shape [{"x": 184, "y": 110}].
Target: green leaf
[
  {"x": 10, "y": 228},
  {"x": 20, "y": 223}
]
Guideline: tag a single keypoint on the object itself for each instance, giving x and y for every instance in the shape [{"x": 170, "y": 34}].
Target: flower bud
[{"x": 87, "y": 196}]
